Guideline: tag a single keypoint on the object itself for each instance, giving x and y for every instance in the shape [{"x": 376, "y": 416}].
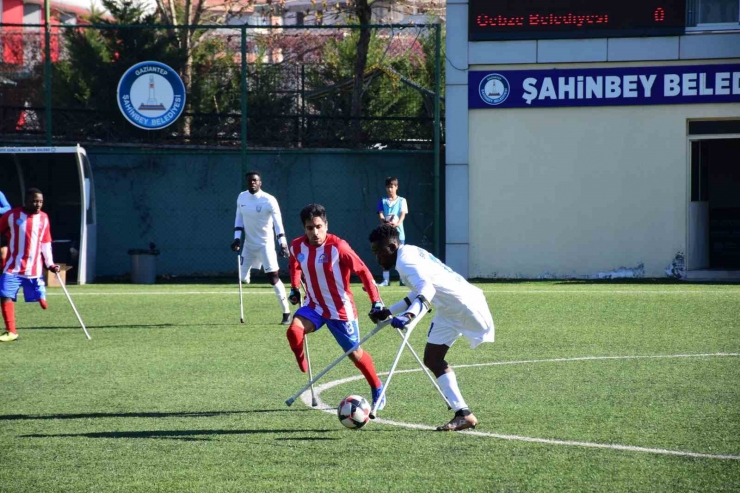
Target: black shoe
[{"x": 286, "y": 319}]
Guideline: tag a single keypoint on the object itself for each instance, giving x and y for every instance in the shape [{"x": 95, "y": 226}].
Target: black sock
[{"x": 463, "y": 412}]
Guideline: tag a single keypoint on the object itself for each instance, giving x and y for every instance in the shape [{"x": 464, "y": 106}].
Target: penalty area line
[{"x": 322, "y": 406}]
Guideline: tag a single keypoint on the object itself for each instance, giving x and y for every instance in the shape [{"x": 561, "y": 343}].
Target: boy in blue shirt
[{"x": 392, "y": 210}]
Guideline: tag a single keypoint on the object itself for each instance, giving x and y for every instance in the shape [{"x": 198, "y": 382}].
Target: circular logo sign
[
  {"x": 151, "y": 95},
  {"x": 494, "y": 89}
]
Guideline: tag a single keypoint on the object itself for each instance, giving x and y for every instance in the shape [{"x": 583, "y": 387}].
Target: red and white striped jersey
[
  {"x": 26, "y": 233},
  {"x": 327, "y": 269}
]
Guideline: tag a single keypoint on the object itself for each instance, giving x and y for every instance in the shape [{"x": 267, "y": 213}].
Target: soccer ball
[{"x": 354, "y": 412}]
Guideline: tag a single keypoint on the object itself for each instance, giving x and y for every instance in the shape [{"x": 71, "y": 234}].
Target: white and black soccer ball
[{"x": 354, "y": 412}]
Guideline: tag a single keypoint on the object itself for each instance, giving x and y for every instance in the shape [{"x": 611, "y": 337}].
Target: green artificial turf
[{"x": 174, "y": 394}]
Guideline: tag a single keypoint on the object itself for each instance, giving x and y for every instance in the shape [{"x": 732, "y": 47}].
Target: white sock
[
  {"x": 282, "y": 298},
  {"x": 387, "y": 276},
  {"x": 448, "y": 384}
]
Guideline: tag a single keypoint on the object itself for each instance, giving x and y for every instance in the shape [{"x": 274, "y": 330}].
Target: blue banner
[{"x": 623, "y": 86}]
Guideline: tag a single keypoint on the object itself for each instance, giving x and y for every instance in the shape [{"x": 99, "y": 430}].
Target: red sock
[
  {"x": 366, "y": 366},
  {"x": 295, "y": 336},
  {"x": 8, "y": 309},
  {"x": 43, "y": 304}
]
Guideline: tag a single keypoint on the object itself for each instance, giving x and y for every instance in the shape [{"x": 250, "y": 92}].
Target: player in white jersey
[
  {"x": 461, "y": 310},
  {"x": 257, "y": 213}
]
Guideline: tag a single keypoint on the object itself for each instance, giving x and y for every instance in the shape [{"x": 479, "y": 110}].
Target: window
[
  {"x": 31, "y": 14},
  {"x": 713, "y": 14},
  {"x": 67, "y": 18}
]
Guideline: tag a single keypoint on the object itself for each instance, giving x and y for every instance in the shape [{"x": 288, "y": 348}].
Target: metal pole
[
  {"x": 47, "y": 69},
  {"x": 437, "y": 123},
  {"x": 244, "y": 101},
  {"x": 303, "y": 103}
]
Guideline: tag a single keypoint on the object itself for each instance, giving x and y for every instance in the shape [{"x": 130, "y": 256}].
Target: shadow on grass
[
  {"x": 187, "y": 435},
  {"x": 124, "y": 326},
  {"x": 642, "y": 281},
  {"x": 201, "y": 414}
]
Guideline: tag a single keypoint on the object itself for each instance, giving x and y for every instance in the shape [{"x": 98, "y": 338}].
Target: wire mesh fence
[{"x": 294, "y": 85}]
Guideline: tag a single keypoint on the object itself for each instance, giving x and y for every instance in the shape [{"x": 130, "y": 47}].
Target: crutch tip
[
  {"x": 241, "y": 320},
  {"x": 289, "y": 402},
  {"x": 314, "y": 403},
  {"x": 372, "y": 415}
]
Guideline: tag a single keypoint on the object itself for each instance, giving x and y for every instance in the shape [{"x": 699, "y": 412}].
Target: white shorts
[
  {"x": 474, "y": 321},
  {"x": 264, "y": 256}
]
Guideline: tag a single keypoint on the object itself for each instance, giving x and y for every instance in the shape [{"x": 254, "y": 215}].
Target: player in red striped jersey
[
  {"x": 326, "y": 262},
  {"x": 29, "y": 237}
]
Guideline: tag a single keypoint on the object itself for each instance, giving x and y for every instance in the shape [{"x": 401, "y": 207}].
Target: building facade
[{"x": 595, "y": 142}]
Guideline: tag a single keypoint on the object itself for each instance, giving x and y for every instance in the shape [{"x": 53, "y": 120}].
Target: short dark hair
[
  {"x": 253, "y": 172},
  {"x": 32, "y": 191},
  {"x": 384, "y": 234},
  {"x": 311, "y": 211},
  {"x": 391, "y": 180}
]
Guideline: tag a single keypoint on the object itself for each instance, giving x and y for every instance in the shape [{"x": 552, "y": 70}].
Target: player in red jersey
[
  {"x": 326, "y": 262},
  {"x": 29, "y": 237}
]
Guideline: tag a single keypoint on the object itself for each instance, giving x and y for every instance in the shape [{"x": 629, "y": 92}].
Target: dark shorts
[{"x": 346, "y": 332}]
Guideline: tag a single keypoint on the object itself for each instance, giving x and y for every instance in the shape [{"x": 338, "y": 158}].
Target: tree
[
  {"x": 87, "y": 76},
  {"x": 364, "y": 16}
]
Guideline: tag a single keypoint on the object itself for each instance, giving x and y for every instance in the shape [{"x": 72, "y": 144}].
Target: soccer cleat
[
  {"x": 8, "y": 336},
  {"x": 400, "y": 283},
  {"x": 459, "y": 423},
  {"x": 44, "y": 304},
  {"x": 384, "y": 283},
  {"x": 376, "y": 394},
  {"x": 286, "y": 319}
]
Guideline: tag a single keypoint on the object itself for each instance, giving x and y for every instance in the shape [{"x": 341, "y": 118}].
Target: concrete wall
[
  {"x": 587, "y": 190},
  {"x": 578, "y": 192},
  {"x": 186, "y": 204}
]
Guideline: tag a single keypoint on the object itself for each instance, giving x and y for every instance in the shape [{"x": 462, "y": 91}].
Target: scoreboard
[{"x": 549, "y": 19}]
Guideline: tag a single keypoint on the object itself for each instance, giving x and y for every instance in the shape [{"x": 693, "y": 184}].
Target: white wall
[{"x": 571, "y": 192}]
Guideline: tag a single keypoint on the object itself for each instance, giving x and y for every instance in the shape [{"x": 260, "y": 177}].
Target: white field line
[
  {"x": 322, "y": 406},
  {"x": 492, "y": 291}
]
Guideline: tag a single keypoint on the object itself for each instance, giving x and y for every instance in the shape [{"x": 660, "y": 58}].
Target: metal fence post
[
  {"x": 47, "y": 69},
  {"x": 244, "y": 101},
  {"x": 437, "y": 123}
]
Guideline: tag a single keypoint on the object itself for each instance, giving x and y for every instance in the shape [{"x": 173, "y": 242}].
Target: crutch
[
  {"x": 239, "y": 260},
  {"x": 74, "y": 308},
  {"x": 424, "y": 368},
  {"x": 409, "y": 328},
  {"x": 323, "y": 372},
  {"x": 314, "y": 402}
]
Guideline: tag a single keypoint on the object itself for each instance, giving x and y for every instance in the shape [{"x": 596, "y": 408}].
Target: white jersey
[
  {"x": 257, "y": 214},
  {"x": 458, "y": 304}
]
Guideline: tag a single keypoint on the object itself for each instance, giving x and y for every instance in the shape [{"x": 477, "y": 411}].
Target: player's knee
[
  {"x": 295, "y": 334},
  {"x": 435, "y": 364},
  {"x": 273, "y": 278}
]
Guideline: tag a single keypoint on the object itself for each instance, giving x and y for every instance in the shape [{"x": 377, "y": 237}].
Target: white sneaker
[
  {"x": 384, "y": 283},
  {"x": 247, "y": 276}
]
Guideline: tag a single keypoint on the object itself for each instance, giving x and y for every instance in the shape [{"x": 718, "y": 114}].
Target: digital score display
[{"x": 548, "y": 19}]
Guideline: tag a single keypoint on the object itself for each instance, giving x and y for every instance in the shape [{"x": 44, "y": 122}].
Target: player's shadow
[
  {"x": 187, "y": 435},
  {"x": 197, "y": 414},
  {"x": 125, "y": 326}
]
